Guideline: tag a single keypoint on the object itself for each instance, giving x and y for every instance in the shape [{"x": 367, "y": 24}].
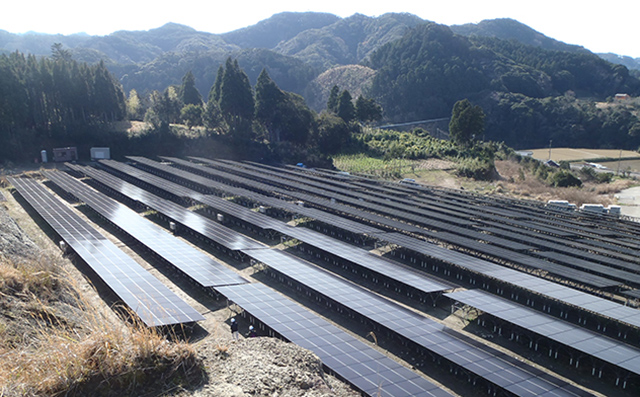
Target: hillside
[
  {"x": 510, "y": 29},
  {"x": 531, "y": 87}
]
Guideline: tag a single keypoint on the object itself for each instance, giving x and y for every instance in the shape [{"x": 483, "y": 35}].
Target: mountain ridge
[{"x": 415, "y": 69}]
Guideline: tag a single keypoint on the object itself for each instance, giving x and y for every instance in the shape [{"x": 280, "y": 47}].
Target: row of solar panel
[
  {"x": 151, "y": 300},
  {"x": 606, "y": 308},
  {"x": 595, "y": 268}
]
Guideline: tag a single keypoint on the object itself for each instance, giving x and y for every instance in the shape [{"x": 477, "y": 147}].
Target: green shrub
[
  {"x": 476, "y": 168},
  {"x": 565, "y": 179}
]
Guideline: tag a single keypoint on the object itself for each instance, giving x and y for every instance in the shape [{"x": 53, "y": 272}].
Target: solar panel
[
  {"x": 213, "y": 230},
  {"x": 151, "y": 300},
  {"x": 584, "y": 341},
  {"x": 360, "y": 257},
  {"x": 546, "y": 288},
  {"x": 432, "y": 336},
  {"x": 530, "y": 282},
  {"x": 194, "y": 263},
  {"x": 450, "y": 256},
  {"x": 355, "y": 361}
]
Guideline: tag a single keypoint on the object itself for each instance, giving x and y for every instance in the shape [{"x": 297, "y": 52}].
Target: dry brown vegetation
[{"x": 519, "y": 182}]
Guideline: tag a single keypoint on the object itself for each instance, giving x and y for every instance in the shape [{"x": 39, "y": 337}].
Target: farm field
[
  {"x": 625, "y": 165},
  {"x": 568, "y": 154}
]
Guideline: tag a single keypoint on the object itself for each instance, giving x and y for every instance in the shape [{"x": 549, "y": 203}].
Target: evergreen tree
[
  {"x": 236, "y": 96},
  {"x": 466, "y": 122},
  {"x": 332, "y": 102},
  {"x": 367, "y": 110},
  {"x": 333, "y": 133},
  {"x": 346, "y": 110},
  {"x": 134, "y": 106},
  {"x": 284, "y": 114},
  {"x": 212, "y": 116},
  {"x": 188, "y": 93},
  {"x": 214, "y": 93},
  {"x": 268, "y": 99},
  {"x": 191, "y": 115}
]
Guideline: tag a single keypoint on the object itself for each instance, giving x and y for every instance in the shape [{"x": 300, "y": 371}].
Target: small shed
[
  {"x": 551, "y": 163},
  {"x": 100, "y": 153},
  {"x": 622, "y": 97},
  {"x": 65, "y": 154}
]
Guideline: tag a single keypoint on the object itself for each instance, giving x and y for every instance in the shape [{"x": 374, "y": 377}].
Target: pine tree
[{"x": 188, "y": 93}]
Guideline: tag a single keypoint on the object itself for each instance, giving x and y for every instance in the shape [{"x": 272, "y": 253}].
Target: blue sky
[{"x": 590, "y": 24}]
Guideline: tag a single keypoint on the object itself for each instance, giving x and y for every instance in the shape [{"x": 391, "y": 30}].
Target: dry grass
[
  {"x": 560, "y": 154},
  {"x": 519, "y": 182},
  {"x": 87, "y": 355}
]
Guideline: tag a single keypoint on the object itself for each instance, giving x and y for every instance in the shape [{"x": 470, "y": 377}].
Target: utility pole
[
  {"x": 619, "y": 159},
  {"x": 550, "y": 140}
]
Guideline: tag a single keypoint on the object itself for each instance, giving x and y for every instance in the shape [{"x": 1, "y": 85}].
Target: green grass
[{"x": 363, "y": 164}]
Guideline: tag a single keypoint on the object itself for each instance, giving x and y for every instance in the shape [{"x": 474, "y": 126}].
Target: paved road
[{"x": 629, "y": 201}]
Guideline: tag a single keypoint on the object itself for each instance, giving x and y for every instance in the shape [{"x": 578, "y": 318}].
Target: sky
[{"x": 597, "y": 26}]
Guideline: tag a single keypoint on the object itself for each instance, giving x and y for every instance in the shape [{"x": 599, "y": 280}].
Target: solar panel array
[
  {"x": 492, "y": 365},
  {"x": 341, "y": 249},
  {"x": 151, "y": 300},
  {"x": 603, "y": 308},
  {"x": 495, "y": 246},
  {"x": 587, "y": 342},
  {"x": 192, "y": 262},
  {"x": 355, "y": 361},
  {"x": 221, "y": 234},
  {"x": 472, "y": 224}
]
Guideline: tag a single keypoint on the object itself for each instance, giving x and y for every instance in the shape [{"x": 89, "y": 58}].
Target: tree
[
  {"x": 367, "y": 110},
  {"x": 284, "y": 114},
  {"x": 188, "y": 93},
  {"x": 60, "y": 54},
  {"x": 268, "y": 99},
  {"x": 346, "y": 110},
  {"x": 332, "y": 102},
  {"x": 134, "y": 106},
  {"x": 214, "y": 93},
  {"x": 333, "y": 133},
  {"x": 191, "y": 115},
  {"x": 212, "y": 116},
  {"x": 236, "y": 96},
  {"x": 466, "y": 122}
]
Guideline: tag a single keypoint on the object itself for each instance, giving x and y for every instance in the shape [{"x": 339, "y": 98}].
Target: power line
[{"x": 413, "y": 123}]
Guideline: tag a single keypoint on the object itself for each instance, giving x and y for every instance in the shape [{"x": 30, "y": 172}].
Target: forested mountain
[
  {"x": 280, "y": 27},
  {"x": 633, "y": 64},
  {"x": 510, "y": 29},
  {"x": 533, "y": 88},
  {"x": 530, "y": 94}
]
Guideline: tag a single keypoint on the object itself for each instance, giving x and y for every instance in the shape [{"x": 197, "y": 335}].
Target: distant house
[
  {"x": 551, "y": 163},
  {"x": 622, "y": 97}
]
